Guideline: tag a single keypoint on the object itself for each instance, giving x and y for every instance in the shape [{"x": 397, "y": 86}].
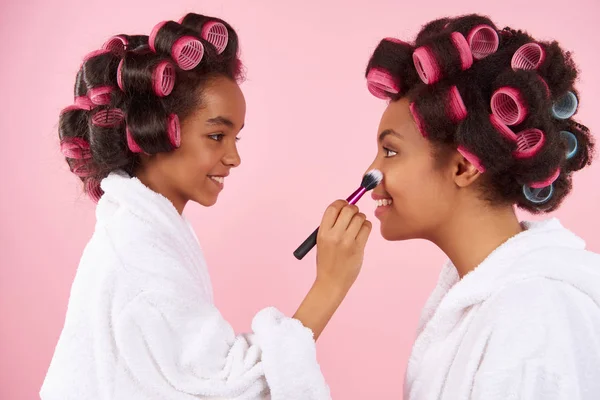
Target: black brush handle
[{"x": 307, "y": 245}]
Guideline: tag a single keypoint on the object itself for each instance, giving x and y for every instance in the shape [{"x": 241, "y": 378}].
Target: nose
[
  {"x": 374, "y": 165},
  {"x": 232, "y": 157}
]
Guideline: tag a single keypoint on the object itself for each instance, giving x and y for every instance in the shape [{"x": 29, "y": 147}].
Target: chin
[
  {"x": 393, "y": 233},
  {"x": 206, "y": 202}
]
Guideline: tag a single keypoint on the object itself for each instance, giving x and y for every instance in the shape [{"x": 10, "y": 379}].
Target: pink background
[{"x": 310, "y": 126}]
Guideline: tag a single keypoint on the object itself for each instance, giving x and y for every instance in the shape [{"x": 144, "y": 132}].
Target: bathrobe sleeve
[
  {"x": 542, "y": 345},
  {"x": 173, "y": 345}
]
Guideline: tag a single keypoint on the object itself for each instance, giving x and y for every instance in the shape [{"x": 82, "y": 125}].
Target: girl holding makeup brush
[
  {"x": 479, "y": 121},
  {"x": 154, "y": 126}
]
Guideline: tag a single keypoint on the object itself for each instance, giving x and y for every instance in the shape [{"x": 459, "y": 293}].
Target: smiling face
[
  {"x": 197, "y": 169},
  {"x": 418, "y": 191}
]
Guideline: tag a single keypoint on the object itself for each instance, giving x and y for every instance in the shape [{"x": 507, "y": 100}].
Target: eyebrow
[
  {"x": 221, "y": 121},
  {"x": 387, "y": 132}
]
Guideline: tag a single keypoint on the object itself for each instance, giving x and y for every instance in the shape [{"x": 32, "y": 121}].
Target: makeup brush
[{"x": 369, "y": 182}]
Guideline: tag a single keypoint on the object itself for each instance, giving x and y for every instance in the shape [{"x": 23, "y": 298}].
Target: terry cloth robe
[
  {"x": 141, "y": 323},
  {"x": 525, "y": 324}
]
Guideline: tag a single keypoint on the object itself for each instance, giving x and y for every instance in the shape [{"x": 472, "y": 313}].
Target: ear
[{"x": 465, "y": 173}]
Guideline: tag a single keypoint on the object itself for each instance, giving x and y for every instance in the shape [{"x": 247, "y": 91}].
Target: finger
[
  {"x": 331, "y": 214},
  {"x": 343, "y": 220},
  {"x": 355, "y": 224},
  {"x": 364, "y": 232}
]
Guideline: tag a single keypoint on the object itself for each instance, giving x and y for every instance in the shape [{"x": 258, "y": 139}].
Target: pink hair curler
[
  {"x": 546, "y": 87},
  {"x": 101, "y": 95},
  {"x": 174, "y": 130},
  {"x": 426, "y": 66},
  {"x": 153, "y": 34},
  {"x": 472, "y": 158},
  {"x": 380, "y": 82},
  {"x": 546, "y": 182},
  {"x": 76, "y": 148},
  {"x": 93, "y": 189},
  {"x": 456, "y": 107},
  {"x": 84, "y": 103},
  {"x": 120, "y": 75},
  {"x": 72, "y": 107},
  {"x": 108, "y": 118},
  {"x": 529, "y": 56},
  {"x": 529, "y": 143},
  {"x": 216, "y": 33},
  {"x": 133, "y": 146},
  {"x": 81, "y": 167},
  {"x": 565, "y": 107},
  {"x": 508, "y": 105},
  {"x": 418, "y": 120},
  {"x": 187, "y": 51},
  {"x": 483, "y": 41},
  {"x": 502, "y": 128},
  {"x": 163, "y": 79},
  {"x": 460, "y": 43},
  {"x": 116, "y": 44}
]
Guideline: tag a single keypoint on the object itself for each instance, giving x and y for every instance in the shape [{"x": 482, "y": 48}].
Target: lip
[
  {"x": 376, "y": 196},
  {"x": 218, "y": 184},
  {"x": 380, "y": 211}
]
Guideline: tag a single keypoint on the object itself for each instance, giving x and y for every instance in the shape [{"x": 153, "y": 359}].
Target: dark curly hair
[
  {"x": 131, "y": 94},
  {"x": 500, "y": 97}
]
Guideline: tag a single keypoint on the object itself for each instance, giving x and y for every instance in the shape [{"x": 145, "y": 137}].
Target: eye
[
  {"x": 389, "y": 153},
  {"x": 237, "y": 139},
  {"x": 217, "y": 137}
]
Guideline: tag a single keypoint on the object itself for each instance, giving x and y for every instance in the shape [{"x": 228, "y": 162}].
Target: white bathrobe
[
  {"x": 141, "y": 323},
  {"x": 525, "y": 324}
]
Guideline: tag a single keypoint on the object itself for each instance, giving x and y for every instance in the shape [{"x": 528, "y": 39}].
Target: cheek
[{"x": 417, "y": 190}]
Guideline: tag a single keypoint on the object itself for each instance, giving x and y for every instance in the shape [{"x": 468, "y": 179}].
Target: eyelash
[
  {"x": 387, "y": 151},
  {"x": 219, "y": 136}
]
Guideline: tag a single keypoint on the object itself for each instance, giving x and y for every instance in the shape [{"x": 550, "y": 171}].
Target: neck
[
  {"x": 158, "y": 185},
  {"x": 469, "y": 237}
]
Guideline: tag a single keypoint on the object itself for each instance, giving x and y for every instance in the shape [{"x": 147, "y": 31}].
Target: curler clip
[
  {"x": 216, "y": 34},
  {"x": 380, "y": 82}
]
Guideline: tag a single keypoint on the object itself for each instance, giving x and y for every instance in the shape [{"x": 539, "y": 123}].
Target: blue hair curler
[
  {"x": 566, "y": 106},
  {"x": 571, "y": 143},
  {"x": 538, "y": 195}
]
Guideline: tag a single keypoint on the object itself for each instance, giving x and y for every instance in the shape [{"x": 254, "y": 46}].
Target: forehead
[
  {"x": 222, "y": 97},
  {"x": 397, "y": 117}
]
